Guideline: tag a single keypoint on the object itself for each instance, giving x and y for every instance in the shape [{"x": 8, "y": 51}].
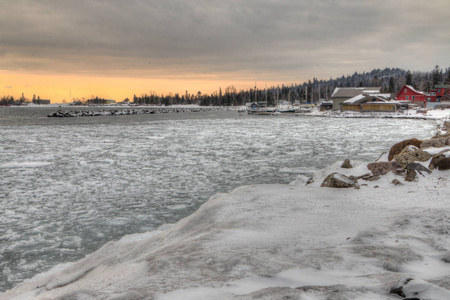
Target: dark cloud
[{"x": 276, "y": 38}]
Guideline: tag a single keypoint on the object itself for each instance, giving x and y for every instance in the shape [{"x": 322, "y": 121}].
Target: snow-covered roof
[
  {"x": 414, "y": 90},
  {"x": 348, "y": 92},
  {"x": 355, "y": 99},
  {"x": 362, "y": 97},
  {"x": 371, "y": 91}
]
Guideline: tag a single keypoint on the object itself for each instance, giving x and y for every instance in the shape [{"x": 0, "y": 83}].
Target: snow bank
[
  {"x": 275, "y": 241},
  {"x": 432, "y": 114}
]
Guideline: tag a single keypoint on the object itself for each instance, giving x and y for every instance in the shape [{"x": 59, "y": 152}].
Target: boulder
[
  {"x": 410, "y": 175},
  {"x": 436, "y": 143},
  {"x": 440, "y": 162},
  {"x": 398, "y": 148},
  {"x": 417, "y": 167},
  {"x": 412, "y": 288},
  {"x": 396, "y": 182},
  {"x": 383, "y": 167},
  {"x": 337, "y": 180},
  {"x": 346, "y": 164},
  {"x": 411, "y": 154},
  {"x": 371, "y": 178}
]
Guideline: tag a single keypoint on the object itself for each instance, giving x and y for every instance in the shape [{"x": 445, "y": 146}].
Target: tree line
[{"x": 390, "y": 80}]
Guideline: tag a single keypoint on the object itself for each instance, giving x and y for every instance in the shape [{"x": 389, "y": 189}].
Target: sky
[{"x": 61, "y": 50}]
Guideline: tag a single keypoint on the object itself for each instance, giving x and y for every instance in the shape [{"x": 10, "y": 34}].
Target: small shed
[{"x": 324, "y": 106}]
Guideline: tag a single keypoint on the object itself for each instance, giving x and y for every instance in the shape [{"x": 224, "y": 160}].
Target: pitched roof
[
  {"x": 368, "y": 98},
  {"x": 349, "y": 92},
  {"x": 414, "y": 90}
]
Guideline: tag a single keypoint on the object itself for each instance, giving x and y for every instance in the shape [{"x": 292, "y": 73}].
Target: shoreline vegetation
[
  {"x": 390, "y": 80},
  {"x": 354, "y": 230}
]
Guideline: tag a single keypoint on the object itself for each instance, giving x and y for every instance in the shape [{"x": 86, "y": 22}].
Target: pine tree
[
  {"x": 409, "y": 80},
  {"x": 447, "y": 80},
  {"x": 437, "y": 75},
  {"x": 391, "y": 85}
]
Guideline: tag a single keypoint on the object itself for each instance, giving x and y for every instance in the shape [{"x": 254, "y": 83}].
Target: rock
[
  {"x": 346, "y": 164},
  {"x": 371, "y": 178},
  {"x": 411, "y": 154},
  {"x": 300, "y": 180},
  {"x": 361, "y": 176},
  {"x": 440, "y": 162},
  {"x": 398, "y": 148},
  {"x": 436, "y": 143},
  {"x": 396, "y": 182},
  {"x": 410, "y": 175},
  {"x": 337, "y": 180},
  {"x": 441, "y": 152},
  {"x": 411, "y": 288},
  {"x": 383, "y": 167},
  {"x": 417, "y": 167}
]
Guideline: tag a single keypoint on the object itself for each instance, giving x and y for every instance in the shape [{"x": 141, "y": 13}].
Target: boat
[
  {"x": 302, "y": 109},
  {"x": 260, "y": 108},
  {"x": 285, "y": 107}
]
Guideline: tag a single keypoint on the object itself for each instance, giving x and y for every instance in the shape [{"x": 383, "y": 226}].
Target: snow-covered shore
[
  {"x": 274, "y": 241},
  {"x": 432, "y": 114}
]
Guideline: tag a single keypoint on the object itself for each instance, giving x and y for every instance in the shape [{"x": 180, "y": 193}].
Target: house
[
  {"x": 370, "y": 103},
  {"x": 408, "y": 93},
  {"x": 442, "y": 93},
  {"x": 341, "y": 94}
]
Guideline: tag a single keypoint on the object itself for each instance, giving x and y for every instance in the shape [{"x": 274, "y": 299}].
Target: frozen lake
[{"x": 70, "y": 185}]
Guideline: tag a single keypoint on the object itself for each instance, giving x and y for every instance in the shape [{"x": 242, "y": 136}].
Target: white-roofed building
[
  {"x": 370, "y": 103},
  {"x": 341, "y": 94}
]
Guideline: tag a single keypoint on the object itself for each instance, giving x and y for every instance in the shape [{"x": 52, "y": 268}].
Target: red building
[
  {"x": 408, "y": 93},
  {"x": 442, "y": 92}
]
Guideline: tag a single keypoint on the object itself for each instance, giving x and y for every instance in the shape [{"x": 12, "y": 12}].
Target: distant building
[
  {"x": 424, "y": 99},
  {"x": 408, "y": 93},
  {"x": 41, "y": 101},
  {"x": 324, "y": 106},
  {"x": 370, "y": 103},
  {"x": 442, "y": 93},
  {"x": 341, "y": 94},
  {"x": 100, "y": 101}
]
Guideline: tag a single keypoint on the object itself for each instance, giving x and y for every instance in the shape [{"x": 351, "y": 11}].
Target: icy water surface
[{"x": 70, "y": 185}]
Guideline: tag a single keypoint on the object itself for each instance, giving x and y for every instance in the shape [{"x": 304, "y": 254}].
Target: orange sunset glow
[
  {"x": 60, "y": 88},
  {"x": 117, "y": 49}
]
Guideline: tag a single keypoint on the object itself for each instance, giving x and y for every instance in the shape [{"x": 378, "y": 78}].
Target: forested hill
[{"x": 389, "y": 79}]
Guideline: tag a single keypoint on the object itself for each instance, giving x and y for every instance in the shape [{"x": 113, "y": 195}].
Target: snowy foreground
[{"x": 291, "y": 241}]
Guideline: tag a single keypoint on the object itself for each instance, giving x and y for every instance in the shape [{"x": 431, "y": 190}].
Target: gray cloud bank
[{"x": 270, "y": 38}]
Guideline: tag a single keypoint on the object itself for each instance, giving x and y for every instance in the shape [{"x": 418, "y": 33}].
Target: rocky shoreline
[
  {"x": 404, "y": 159},
  {"x": 122, "y": 112}
]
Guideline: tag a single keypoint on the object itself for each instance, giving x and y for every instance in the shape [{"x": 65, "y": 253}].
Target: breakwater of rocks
[{"x": 130, "y": 111}]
